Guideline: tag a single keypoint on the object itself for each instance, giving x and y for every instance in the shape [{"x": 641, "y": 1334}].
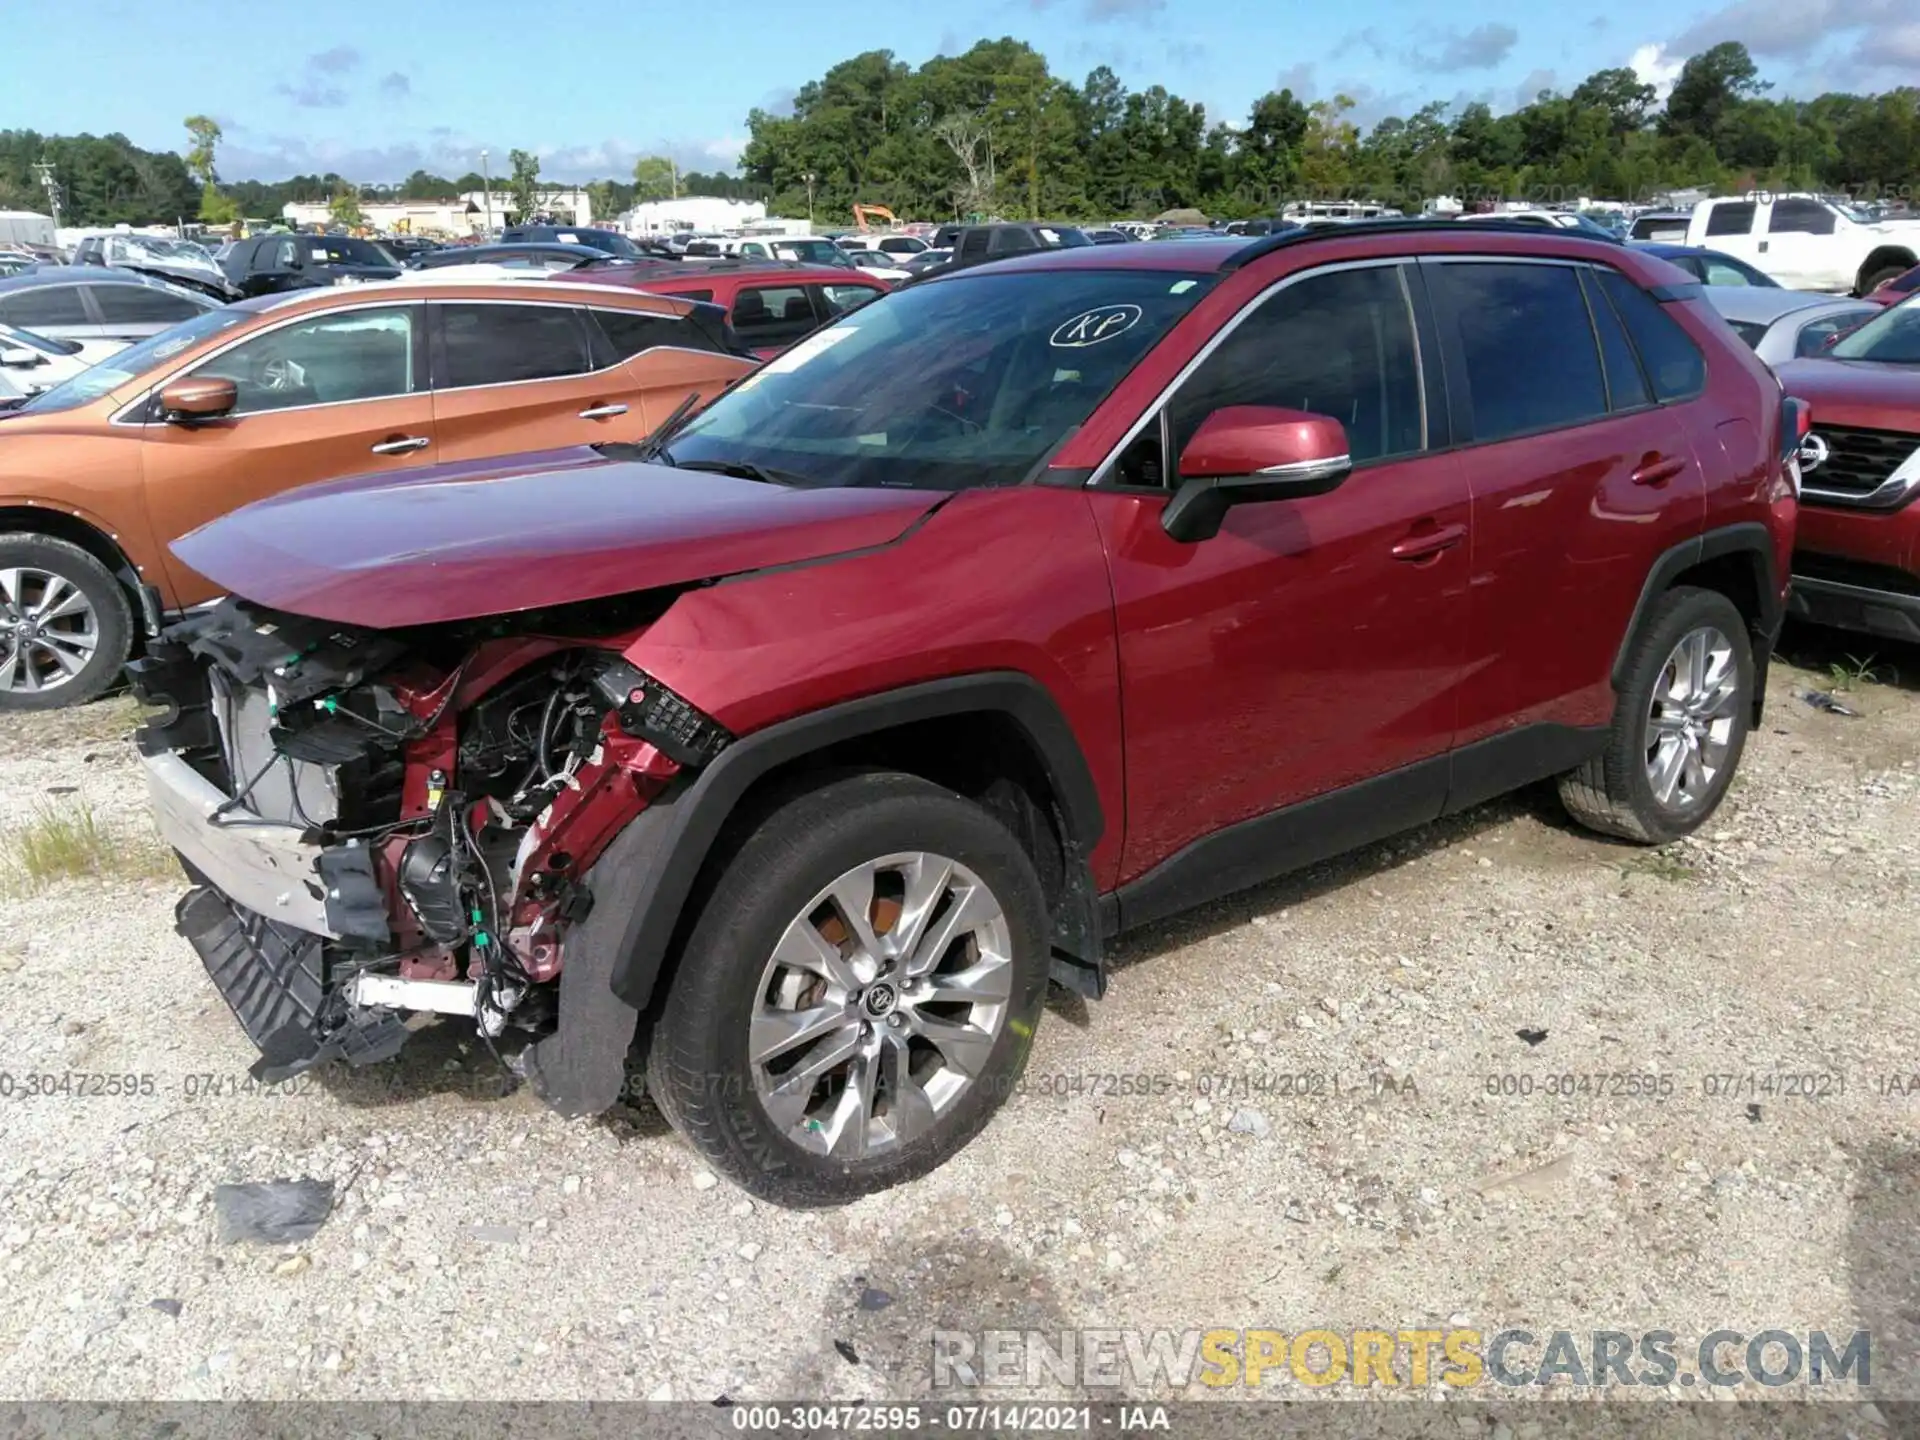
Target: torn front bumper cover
[{"x": 266, "y": 904}]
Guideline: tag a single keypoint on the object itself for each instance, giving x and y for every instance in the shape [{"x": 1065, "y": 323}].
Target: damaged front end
[{"x": 381, "y": 822}]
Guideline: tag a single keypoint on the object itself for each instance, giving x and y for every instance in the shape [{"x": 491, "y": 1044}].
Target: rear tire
[
  {"x": 66, "y": 633},
  {"x": 1679, "y": 726},
  {"x": 1873, "y": 282},
  {"x": 931, "y": 1039}
]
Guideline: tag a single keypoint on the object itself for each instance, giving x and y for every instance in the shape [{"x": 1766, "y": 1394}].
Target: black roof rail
[{"x": 1420, "y": 225}]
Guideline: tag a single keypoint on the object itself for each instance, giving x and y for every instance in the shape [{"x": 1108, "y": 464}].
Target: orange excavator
[{"x": 864, "y": 213}]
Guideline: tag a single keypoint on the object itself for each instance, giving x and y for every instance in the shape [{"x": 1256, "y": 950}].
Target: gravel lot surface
[{"x": 482, "y": 1248}]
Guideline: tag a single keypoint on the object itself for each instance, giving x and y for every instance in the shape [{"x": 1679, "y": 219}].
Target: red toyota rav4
[{"x": 802, "y": 745}]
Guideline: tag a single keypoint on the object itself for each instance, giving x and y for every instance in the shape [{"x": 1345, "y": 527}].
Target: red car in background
[
  {"x": 1896, "y": 289},
  {"x": 1856, "y": 561},
  {"x": 771, "y": 304}
]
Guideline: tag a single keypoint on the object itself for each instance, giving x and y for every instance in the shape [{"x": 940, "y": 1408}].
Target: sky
[{"x": 374, "y": 92}]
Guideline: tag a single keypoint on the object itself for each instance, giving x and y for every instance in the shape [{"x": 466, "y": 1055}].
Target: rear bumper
[{"x": 1864, "y": 608}]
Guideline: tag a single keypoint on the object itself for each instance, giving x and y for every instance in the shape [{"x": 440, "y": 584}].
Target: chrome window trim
[
  {"x": 1101, "y": 472},
  {"x": 385, "y": 300}
]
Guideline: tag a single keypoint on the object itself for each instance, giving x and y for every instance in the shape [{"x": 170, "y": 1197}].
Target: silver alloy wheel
[
  {"x": 48, "y": 630},
  {"x": 1691, "y": 718},
  {"x": 881, "y": 1005}
]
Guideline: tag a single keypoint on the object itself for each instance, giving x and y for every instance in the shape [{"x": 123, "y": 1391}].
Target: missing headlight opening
[{"x": 379, "y": 822}]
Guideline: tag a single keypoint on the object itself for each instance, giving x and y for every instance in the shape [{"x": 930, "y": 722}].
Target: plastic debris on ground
[{"x": 272, "y": 1212}]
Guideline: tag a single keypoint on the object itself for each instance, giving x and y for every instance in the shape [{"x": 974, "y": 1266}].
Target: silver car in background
[{"x": 1784, "y": 325}]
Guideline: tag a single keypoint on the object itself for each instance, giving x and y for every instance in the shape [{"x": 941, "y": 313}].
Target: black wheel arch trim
[
  {"x": 687, "y": 820},
  {"x": 1749, "y": 538}
]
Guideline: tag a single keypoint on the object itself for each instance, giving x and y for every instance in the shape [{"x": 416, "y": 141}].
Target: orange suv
[{"x": 97, "y": 475}]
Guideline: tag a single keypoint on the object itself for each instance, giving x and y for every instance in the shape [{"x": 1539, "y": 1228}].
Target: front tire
[
  {"x": 65, "y": 625},
  {"x": 858, "y": 995},
  {"x": 1679, "y": 726}
]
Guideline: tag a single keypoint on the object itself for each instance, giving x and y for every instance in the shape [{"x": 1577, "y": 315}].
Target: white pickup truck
[{"x": 1807, "y": 243}]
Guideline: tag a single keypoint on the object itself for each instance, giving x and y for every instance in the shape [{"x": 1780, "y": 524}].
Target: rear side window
[
  {"x": 1626, "y": 383},
  {"x": 1805, "y": 217},
  {"x": 773, "y": 315},
  {"x": 631, "y": 332},
  {"x": 1007, "y": 242},
  {"x": 842, "y": 298},
  {"x": 1527, "y": 346},
  {"x": 1748, "y": 331},
  {"x": 1673, "y": 362},
  {"x": 1816, "y": 334},
  {"x": 142, "y": 305},
  {"x": 48, "y": 305},
  {"x": 502, "y": 344},
  {"x": 1735, "y": 218},
  {"x": 972, "y": 243}
]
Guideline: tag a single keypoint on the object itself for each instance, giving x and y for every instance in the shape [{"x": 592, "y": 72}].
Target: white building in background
[
  {"x": 707, "y": 214},
  {"x": 26, "y": 227},
  {"x": 461, "y": 215}
]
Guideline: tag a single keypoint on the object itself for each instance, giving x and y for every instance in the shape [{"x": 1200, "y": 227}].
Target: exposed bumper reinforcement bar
[
  {"x": 265, "y": 867},
  {"x": 1855, "y": 607}
]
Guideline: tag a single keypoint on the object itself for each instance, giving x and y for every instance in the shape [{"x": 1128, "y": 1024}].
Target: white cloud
[{"x": 1656, "y": 66}]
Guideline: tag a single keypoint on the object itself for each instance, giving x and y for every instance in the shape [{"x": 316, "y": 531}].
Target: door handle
[
  {"x": 602, "y": 412},
  {"x": 1424, "y": 544},
  {"x": 1656, "y": 470},
  {"x": 401, "y": 444}
]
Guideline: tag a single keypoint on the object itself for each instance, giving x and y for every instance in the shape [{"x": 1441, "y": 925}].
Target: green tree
[
  {"x": 206, "y": 137},
  {"x": 1711, "y": 84},
  {"x": 344, "y": 206},
  {"x": 654, "y": 178},
  {"x": 524, "y": 185}
]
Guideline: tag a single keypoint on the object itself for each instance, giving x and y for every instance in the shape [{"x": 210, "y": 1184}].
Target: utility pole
[
  {"x": 487, "y": 177},
  {"x": 43, "y": 172},
  {"x": 808, "y": 177},
  {"x": 673, "y": 169}
]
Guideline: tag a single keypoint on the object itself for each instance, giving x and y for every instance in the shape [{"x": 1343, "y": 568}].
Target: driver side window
[
  {"x": 1339, "y": 344},
  {"x": 365, "y": 354}
]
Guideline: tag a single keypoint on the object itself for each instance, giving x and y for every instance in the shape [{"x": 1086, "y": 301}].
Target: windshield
[
  {"x": 130, "y": 364},
  {"x": 1852, "y": 212},
  {"x": 1892, "y": 337},
  {"x": 944, "y": 386}
]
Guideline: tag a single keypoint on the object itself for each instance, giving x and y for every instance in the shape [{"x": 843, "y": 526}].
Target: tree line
[{"x": 994, "y": 131}]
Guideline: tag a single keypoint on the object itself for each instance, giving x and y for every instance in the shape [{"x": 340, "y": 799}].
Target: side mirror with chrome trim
[{"x": 1247, "y": 454}]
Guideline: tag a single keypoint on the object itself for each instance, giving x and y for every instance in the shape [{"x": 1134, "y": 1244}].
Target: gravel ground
[{"x": 483, "y": 1249}]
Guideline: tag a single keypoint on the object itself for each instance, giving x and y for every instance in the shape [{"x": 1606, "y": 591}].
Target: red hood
[
  {"x": 1856, "y": 392},
  {"x": 460, "y": 541}
]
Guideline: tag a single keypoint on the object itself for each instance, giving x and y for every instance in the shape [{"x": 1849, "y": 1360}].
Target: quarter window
[
  {"x": 1626, "y": 383},
  {"x": 507, "y": 344},
  {"x": 349, "y": 355},
  {"x": 1527, "y": 347},
  {"x": 632, "y": 332},
  {"x": 1339, "y": 344},
  {"x": 1673, "y": 362}
]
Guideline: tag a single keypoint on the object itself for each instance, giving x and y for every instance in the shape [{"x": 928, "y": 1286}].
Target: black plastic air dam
[{"x": 274, "y": 978}]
